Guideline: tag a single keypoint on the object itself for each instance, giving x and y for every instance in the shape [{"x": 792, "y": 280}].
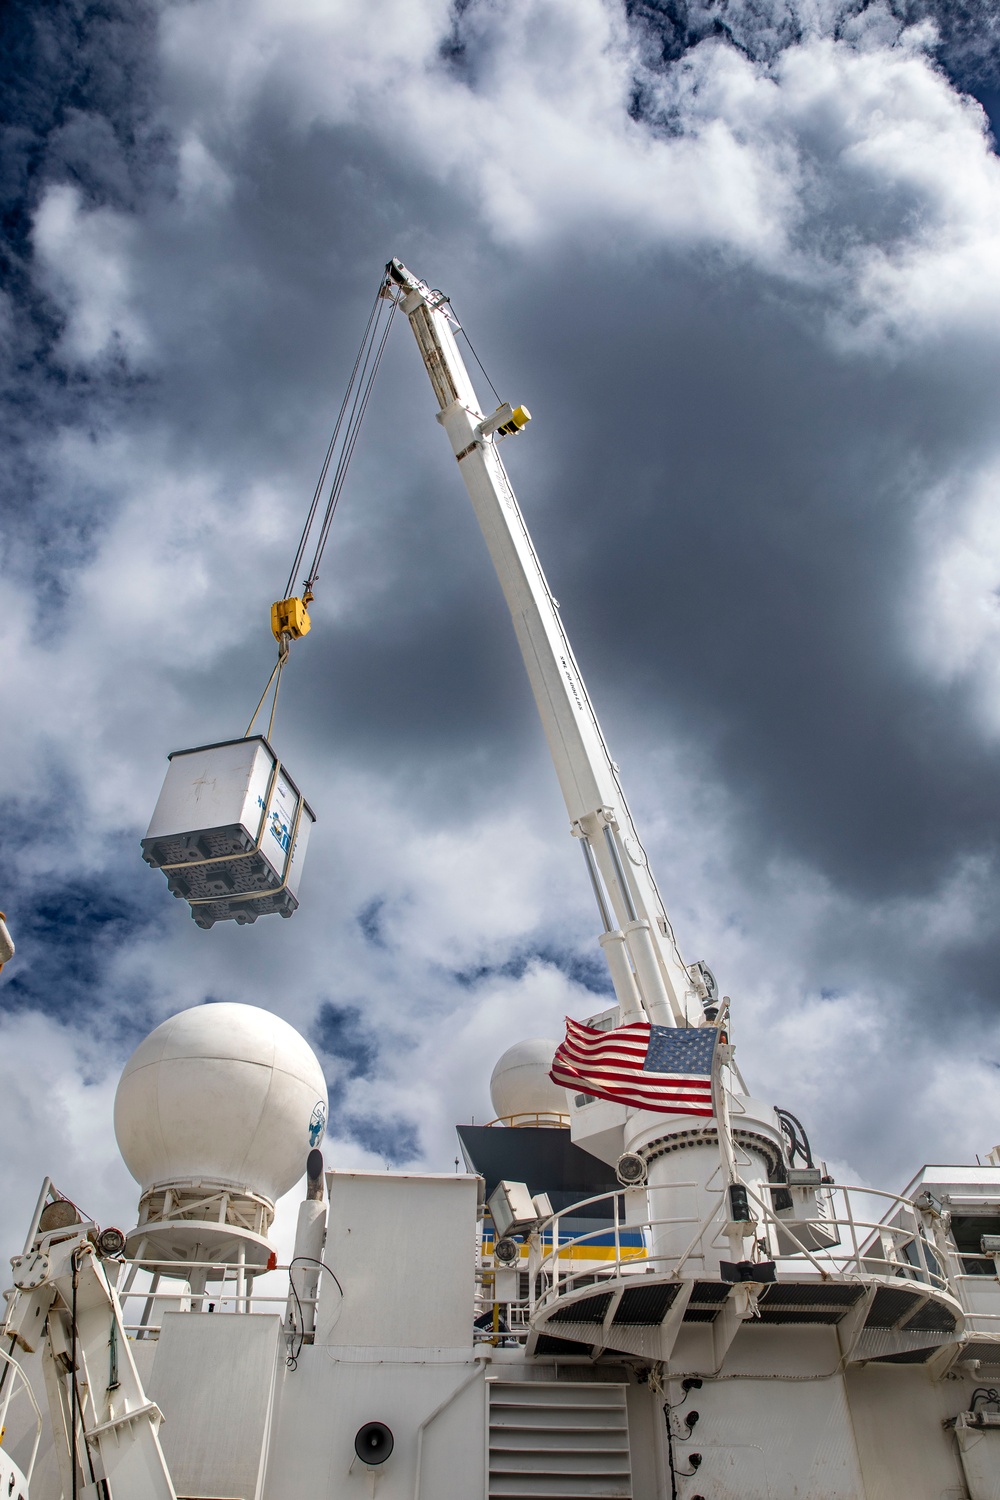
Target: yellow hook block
[{"x": 289, "y": 617}]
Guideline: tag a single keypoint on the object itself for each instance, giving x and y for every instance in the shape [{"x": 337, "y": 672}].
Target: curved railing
[
  {"x": 895, "y": 1243},
  {"x": 546, "y": 1117},
  {"x": 971, "y": 1292},
  {"x": 11, "y": 1387},
  {"x": 226, "y": 1288}
]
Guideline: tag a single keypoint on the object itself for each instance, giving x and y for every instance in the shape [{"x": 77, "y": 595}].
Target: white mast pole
[{"x": 650, "y": 978}]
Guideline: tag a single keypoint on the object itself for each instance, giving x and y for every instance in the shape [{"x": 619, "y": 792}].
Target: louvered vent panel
[{"x": 558, "y": 1440}]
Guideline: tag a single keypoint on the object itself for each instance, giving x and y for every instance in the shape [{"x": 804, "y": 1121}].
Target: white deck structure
[{"x": 852, "y": 1376}]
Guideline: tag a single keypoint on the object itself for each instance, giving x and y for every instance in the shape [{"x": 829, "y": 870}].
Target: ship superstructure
[{"x": 609, "y": 1302}]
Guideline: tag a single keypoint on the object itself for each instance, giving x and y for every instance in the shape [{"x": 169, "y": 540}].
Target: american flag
[{"x": 663, "y": 1068}]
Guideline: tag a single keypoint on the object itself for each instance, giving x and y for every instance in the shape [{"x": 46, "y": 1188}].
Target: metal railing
[
  {"x": 967, "y": 1288},
  {"x": 547, "y": 1117},
  {"x": 877, "y": 1234},
  {"x": 20, "y": 1382},
  {"x": 866, "y": 1245},
  {"x": 226, "y": 1288}
]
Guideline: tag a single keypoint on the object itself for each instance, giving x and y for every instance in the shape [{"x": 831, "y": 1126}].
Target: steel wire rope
[
  {"x": 311, "y": 514},
  {"x": 362, "y": 396},
  {"x": 461, "y": 329},
  {"x": 275, "y": 671},
  {"x": 345, "y": 433}
]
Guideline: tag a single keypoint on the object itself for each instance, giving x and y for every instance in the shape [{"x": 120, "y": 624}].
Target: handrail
[
  {"x": 858, "y": 1251},
  {"x": 173, "y": 1294},
  {"x": 551, "y": 1117},
  {"x": 26, "y": 1386},
  {"x": 482, "y": 1360},
  {"x": 153, "y": 1264},
  {"x": 221, "y": 1295}
]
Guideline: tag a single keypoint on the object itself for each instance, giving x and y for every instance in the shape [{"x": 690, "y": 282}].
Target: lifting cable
[{"x": 290, "y": 615}]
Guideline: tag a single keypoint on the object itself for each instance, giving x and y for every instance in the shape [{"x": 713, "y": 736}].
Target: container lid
[{"x": 249, "y": 740}]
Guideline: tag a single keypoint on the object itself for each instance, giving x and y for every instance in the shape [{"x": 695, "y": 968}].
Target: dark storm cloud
[
  {"x": 66, "y": 932},
  {"x": 968, "y": 42},
  {"x": 77, "y": 91},
  {"x": 70, "y": 922},
  {"x": 764, "y": 497}
]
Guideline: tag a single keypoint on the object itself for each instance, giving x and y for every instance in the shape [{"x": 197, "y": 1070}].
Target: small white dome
[
  {"x": 521, "y": 1084},
  {"x": 226, "y": 1092}
]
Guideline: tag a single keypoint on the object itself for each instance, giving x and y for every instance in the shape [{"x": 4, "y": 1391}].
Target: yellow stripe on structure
[{"x": 585, "y": 1252}]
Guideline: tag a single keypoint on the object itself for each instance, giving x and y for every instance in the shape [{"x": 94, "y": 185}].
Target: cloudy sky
[{"x": 742, "y": 261}]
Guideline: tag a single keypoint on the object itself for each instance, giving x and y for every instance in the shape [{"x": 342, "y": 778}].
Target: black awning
[{"x": 543, "y": 1157}]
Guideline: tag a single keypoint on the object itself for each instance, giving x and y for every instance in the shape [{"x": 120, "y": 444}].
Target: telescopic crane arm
[{"x": 650, "y": 978}]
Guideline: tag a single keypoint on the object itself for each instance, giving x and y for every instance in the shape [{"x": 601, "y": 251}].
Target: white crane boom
[{"x": 650, "y": 978}]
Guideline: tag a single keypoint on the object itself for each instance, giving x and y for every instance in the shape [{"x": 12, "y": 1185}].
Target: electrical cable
[
  {"x": 670, "y": 1451},
  {"x": 74, "y": 1445},
  {"x": 293, "y": 1359},
  {"x": 312, "y": 1261},
  {"x": 76, "y": 1406},
  {"x": 693, "y": 1383}
]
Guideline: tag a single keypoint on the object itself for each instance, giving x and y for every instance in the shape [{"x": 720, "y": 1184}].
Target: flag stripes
[{"x": 660, "y": 1068}]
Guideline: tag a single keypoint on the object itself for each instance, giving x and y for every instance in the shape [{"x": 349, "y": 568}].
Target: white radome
[
  {"x": 228, "y": 1093},
  {"x": 521, "y": 1084}
]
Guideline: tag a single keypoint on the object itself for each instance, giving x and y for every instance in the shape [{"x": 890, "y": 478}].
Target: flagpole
[{"x": 730, "y": 1174}]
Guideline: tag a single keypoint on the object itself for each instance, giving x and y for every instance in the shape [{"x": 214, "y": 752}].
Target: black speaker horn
[{"x": 373, "y": 1443}]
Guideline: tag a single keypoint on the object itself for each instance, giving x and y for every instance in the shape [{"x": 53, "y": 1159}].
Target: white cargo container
[{"x": 230, "y": 831}]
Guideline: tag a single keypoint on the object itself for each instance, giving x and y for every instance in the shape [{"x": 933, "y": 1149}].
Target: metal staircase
[{"x": 558, "y": 1440}]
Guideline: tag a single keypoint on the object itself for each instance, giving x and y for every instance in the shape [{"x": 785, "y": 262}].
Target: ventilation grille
[{"x": 558, "y": 1440}]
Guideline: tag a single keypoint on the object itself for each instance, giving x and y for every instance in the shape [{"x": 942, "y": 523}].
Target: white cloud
[
  {"x": 953, "y": 614},
  {"x": 850, "y": 164},
  {"x": 202, "y": 182},
  {"x": 85, "y": 263}
]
